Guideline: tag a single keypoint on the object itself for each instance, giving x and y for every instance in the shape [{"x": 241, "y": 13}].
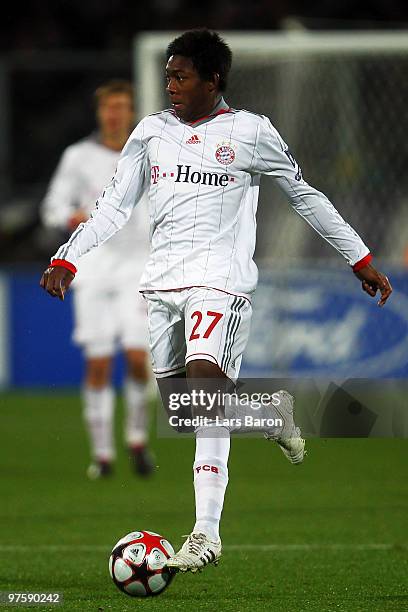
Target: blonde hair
[{"x": 116, "y": 86}]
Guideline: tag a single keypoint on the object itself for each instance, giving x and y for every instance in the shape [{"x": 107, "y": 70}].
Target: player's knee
[
  {"x": 137, "y": 365},
  {"x": 200, "y": 368},
  {"x": 98, "y": 372}
]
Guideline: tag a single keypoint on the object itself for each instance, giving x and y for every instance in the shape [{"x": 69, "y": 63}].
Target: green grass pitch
[{"x": 329, "y": 535}]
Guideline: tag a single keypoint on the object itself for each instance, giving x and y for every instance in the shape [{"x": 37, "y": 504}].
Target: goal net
[{"x": 339, "y": 101}]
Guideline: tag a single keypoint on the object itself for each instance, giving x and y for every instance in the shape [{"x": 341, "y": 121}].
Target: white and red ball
[{"x": 137, "y": 563}]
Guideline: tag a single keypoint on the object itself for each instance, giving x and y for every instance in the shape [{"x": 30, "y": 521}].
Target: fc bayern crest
[{"x": 225, "y": 154}]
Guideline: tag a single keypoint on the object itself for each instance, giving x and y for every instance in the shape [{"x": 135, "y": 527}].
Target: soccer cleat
[
  {"x": 197, "y": 552},
  {"x": 290, "y": 441},
  {"x": 99, "y": 469},
  {"x": 142, "y": 461}
]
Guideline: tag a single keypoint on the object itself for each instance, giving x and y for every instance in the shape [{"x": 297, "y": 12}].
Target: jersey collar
[{"x": 219, "y": 109}]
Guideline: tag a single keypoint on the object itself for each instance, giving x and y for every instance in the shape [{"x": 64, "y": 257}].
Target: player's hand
[
  {"x": 78, "y": 217},
  {"x": 56, "y": 281},
  {"x": 373, "y": 281}
]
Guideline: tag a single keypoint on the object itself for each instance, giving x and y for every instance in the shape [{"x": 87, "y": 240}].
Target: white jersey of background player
[
  {"x": 202, "y": 161},
  {"x": 109, "y": 311}
]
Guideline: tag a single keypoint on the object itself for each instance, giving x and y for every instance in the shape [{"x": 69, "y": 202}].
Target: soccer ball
[{"x": 137, "y": 563}]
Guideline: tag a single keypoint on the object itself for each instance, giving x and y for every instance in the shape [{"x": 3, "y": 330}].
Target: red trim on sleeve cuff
[
  {"x": 362, "y": 263},
  {"x": 62, "y": 263}
]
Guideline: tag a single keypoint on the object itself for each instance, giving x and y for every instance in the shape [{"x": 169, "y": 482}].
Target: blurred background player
[{"x": 109, "y": 310}]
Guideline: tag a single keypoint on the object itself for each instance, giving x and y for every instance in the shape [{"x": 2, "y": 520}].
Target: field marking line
[
  {"x": 226, "y": 548},
  {"x": 306, "y": 547}
]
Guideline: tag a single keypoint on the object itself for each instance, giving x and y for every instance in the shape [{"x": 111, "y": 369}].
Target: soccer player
[
  {"x": 201, "y": 161},
  {"x": 109, "y": 310}
]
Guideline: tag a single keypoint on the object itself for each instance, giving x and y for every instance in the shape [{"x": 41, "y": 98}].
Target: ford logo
[{"x": 311, "y": 322}]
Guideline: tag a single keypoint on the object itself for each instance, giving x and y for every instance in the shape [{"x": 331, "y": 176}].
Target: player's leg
[
  {"x": 98, "y": 399},
  {"x": 94, "y": 331},
  {"x": 218, "y": 330},
  {"x": 168, "y": 354},
  {"x": 136, "y": 404},
  {"x": 216, "y": 327},
  {"x": 131, "y": 311},
  {"x": 210, "y": 470},
  {"x": 274, "y": 418}
]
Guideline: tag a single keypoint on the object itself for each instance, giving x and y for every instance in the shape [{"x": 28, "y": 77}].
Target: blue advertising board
[
  {"x": 307, "y": 323},
  {"x": 40, "y": 346}
]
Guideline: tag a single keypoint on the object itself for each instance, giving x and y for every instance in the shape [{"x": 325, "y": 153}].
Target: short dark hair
[{"x": 208, "y": 52}]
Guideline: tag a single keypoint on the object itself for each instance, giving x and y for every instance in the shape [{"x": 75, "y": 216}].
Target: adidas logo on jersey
[{"x": 193, "y": 140}]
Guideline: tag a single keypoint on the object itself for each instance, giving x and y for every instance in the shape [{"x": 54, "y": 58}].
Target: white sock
[
  {"x": 210, "y": 478},
  {"x": 98, "y": 414},
  {"x": 136, "y": 414}
]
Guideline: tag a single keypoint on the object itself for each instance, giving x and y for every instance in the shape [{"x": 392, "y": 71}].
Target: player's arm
[
  {"x": 58, "y": 208},
  {"x": 274, "y": 158},
  {"x": 113, "y": 210}
]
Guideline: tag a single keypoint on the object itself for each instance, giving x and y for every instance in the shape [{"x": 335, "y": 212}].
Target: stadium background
[{"x": 347, "y": 125}]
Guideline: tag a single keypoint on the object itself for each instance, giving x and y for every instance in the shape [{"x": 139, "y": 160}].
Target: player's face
[
  {"x": 115, "y": 114},
  {"x": 190, "y": 96}
]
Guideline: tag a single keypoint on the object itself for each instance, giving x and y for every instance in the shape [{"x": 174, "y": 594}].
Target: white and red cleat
[
  {"x": 197, "y": 552},
  {"x": 289, "y": 440}
]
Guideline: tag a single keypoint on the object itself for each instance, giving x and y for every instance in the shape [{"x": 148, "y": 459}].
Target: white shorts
[
  {"x": 197, "y": 323},
  {"x": 106, "y": 320}
]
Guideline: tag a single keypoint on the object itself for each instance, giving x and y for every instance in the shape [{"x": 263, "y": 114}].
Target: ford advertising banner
[{"x": 320, "y": 324}]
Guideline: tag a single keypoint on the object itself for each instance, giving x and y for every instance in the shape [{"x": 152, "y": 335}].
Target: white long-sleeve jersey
[
  {"x": 82, "y": 173},
  {"x": 203, "y": 183}
]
